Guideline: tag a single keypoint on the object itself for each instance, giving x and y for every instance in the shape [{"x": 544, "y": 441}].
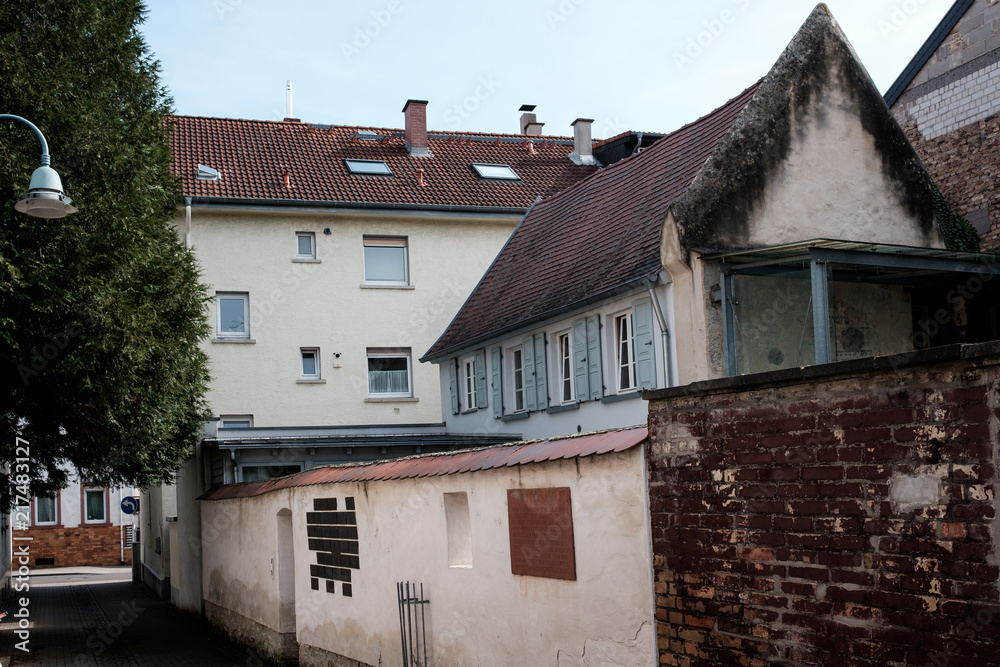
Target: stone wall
[
  {"x": 75, "y": 546},
  {"x": 834, "y": 515},
  {"x": 951, "y": 114}
]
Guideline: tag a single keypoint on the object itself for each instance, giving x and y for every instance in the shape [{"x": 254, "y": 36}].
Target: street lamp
[{"x": 45, "y": 198}]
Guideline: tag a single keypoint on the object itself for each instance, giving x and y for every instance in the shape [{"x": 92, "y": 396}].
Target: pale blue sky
[{"x": 629, "y": 64}]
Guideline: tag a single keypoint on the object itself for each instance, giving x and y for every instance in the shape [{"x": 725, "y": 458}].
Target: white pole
[{"x": 288, "y": 100}]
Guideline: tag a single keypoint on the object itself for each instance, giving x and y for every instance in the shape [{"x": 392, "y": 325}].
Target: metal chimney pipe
[{"x": 288, "y": 100}]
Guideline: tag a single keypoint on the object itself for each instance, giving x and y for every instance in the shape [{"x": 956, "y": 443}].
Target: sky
[{"x": 628, "y": 64}]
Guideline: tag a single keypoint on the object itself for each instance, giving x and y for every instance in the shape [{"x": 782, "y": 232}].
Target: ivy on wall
[{"x": 958, "y": 232}]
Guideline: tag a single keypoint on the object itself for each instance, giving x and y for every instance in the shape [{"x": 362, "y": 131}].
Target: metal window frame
[{"x": 356, "y": 167}]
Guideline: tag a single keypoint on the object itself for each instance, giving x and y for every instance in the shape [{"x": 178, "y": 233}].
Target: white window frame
[
  {"x": 391, "y": 353},
  {"x": 316, "y": 364},
  {"x": 229, "y": 421},
  {"x": 468, "y": 377},
  {"x": 517, "y": 377},
  {"x": 565, "y": 372},
  {"x": 389, "y": 242},
  {"x": 624, "y": 341},
  {"x": 55, "y": 511},
  {"x": 239, "y": 335},
  {"x": 104, "y": 503},
  {"x": 311, "y": 236}
]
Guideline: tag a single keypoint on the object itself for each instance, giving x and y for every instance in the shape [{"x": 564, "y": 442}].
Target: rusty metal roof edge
[{"x": 233, "y": 491}]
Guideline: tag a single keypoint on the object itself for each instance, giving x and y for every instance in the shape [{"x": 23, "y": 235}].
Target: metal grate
[
  {"x": 128, "y": 537},
  {"x": 412, "y": 624}
]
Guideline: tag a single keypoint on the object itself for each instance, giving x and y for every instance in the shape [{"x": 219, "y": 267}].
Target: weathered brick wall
[
  {"x": 965, "y": 164},
  {"x": 843, "y": 517},
  {"x": 75, "y": 546}
]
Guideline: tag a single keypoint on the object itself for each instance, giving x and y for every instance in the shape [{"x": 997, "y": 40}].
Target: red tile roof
[
  {"x": 254, "y": 157},
  {"x": 600, "y": 234},
  {"x": 433, "y": 465}
]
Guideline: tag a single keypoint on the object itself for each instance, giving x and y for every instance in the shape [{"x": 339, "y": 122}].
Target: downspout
[
  {"x": 664, "y": 331},
  {"x": 187, "y": 218}
]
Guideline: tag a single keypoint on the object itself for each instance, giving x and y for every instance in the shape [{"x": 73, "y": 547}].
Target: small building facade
[{"x": 519, "y": 554}]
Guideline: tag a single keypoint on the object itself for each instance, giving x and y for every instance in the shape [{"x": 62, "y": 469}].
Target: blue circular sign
[{"x": 130, "y": 505}]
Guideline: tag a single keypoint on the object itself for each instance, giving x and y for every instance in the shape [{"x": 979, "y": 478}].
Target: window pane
[
  {"x": 232, "y": 315},
  {"x": 305, "y": 245},
  {"x": 495, "y": 171},
  {"x": 95, "y": 505},
  {"x": 384, "y": 264},
  {"x": 45, "y": 509},
  {"x": 388, "y": 375},
  {"x": 309, "y": 363}
]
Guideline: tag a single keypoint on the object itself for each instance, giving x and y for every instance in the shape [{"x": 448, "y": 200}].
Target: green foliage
[
  {"x": 958, "y": 232},
  {"x": 101, "y": 312}
]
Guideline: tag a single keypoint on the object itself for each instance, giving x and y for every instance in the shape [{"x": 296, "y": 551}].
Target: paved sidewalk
[{"x": 96, "y": 617}]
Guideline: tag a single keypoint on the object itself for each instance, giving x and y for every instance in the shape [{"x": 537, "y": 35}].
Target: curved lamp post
[{"x": 45, "y": 198}]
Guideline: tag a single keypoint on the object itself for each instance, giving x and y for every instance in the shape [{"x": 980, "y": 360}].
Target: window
[
  {"x": 518, "y": 362},
  {"x": 624, "y": 357},
  {"x": 469, "y": 383},
  {"x": 45, "y": 511},
  {"x": 95, "y": 505},
  {"x": 233, "y": 315},
  {"x": 389, "y": 373},
  {"x": 566, "y": 369},
  {"x": 369, "y": 167},
  {"x": 495, "y": 171},
  {"x": 310, "y": 363},
  {"x": 305, "y": 245},
  {"x": 386, "y": 261},
  {"x": 259, "y": 473},
  {"x": 236, "y": 421}
]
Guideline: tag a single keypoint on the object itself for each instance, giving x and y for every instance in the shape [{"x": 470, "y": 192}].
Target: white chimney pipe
[
  {"x": 583, "y": 145},
  {"x": 288, "y": 100}
]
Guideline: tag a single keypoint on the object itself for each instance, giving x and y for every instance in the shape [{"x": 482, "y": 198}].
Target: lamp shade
[{"x": 45, "y": 198}]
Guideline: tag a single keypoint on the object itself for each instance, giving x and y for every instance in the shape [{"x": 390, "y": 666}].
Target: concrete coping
[{"x": 788, "y": 376}]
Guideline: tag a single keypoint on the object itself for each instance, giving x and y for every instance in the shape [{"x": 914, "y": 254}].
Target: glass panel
[
  {"x": 388, "y": 375},
  {"x": 518, "y": 381},
  {"x": 385, "y": 264},
  {"x": 495, "y": 171},
  {"x": 309, "y": 363},
  {"x": 260, "y": 473},
  {"x": 236, "y": 423},
  {"x": 567, "y": 373},
  {"x": 95, "y": 505},
  {"x": 45, "y": 509},
  {"x": 368, "y": 167},
  {"x": 232, "y": 315},
  {"x": 305, "y": 245}
]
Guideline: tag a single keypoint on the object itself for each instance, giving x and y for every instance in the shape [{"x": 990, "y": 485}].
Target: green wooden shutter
[
  {"x": 541, "y": 376},
  {"x": 453, "y": 386},
  {"x": 642, "y": 344},
  {"x": 594, "y": 363},
  {"x": 528, "y": 373},
  {"x": 581, "y": 376},
  {"x": 497, "y": 383},
  {"x": 481, "y": 401}
]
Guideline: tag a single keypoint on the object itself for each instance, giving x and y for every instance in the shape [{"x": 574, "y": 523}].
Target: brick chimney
[
  {"x": 415, "y": 132},
  {"x": 583, "y": 145},
  {"x": 529, "y": 122}
]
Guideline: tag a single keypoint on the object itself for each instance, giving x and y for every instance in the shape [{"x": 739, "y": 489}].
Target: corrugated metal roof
[{"x": 435, "y": 465}]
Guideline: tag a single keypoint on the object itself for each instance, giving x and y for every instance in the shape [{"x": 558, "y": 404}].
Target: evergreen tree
[{"x": 101, "y": 312}]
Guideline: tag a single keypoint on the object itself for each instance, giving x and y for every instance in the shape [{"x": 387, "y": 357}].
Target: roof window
[
  {"x": 495, "y": 172},
  {"x": 208, "y": 174},
  {"x": 368, "y": 135},
  {"x": 369, "y": 167}
]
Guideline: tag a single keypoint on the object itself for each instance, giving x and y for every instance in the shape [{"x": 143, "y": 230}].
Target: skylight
[
  {"x": 208, "y": 174},
  {"x": 368, "y": 135},
  {"x": 495, "y": 171},
  {"x": 370, "y": 167}
]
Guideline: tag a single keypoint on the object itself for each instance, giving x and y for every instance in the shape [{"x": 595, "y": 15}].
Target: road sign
[{"x": 130, "y": 505}]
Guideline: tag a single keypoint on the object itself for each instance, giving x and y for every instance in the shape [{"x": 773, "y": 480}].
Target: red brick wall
[
  {"x": 79, "y": 545},
  {"x": 966, "y": 166},
  {"x": 774, "y": 538}
]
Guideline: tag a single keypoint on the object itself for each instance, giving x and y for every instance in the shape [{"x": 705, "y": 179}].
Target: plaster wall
[
  {"x": 479, "y": 614},
  {"x": 832, "y": 186},
  {"x": 570, "y": 417},
  {"x": 323, "y": 304},
  {"x": 155, "y": 505}
]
